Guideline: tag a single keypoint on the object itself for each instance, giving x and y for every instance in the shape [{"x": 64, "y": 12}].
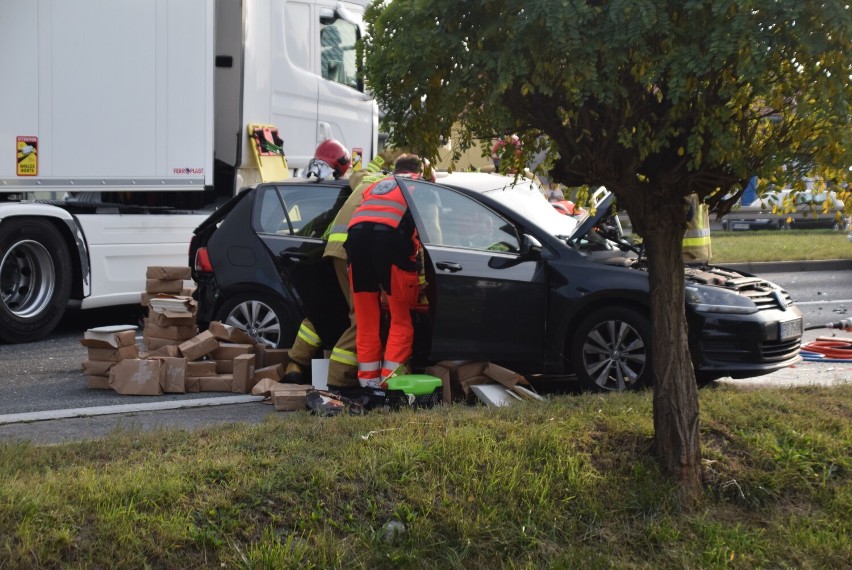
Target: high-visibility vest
[
  {"x": 383, "y": 204},
  {"x": 696, "y": 240}
]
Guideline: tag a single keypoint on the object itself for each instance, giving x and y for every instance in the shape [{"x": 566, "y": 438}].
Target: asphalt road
[{"x": 43, "y": 379}]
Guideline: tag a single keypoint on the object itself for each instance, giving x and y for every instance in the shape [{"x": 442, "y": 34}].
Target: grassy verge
[
  {"x": 566, "y": 483},
  {"x": 778, "y": 245}
]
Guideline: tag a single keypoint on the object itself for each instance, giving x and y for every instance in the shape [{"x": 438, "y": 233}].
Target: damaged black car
[{"x": 511, "y": 280}]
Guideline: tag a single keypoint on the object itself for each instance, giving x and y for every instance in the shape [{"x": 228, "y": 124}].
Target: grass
[
  {"x": 779, "y": 245},
  {"x": 566, "y": 483}
]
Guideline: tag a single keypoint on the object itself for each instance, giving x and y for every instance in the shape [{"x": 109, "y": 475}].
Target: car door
[
  {"x": 291, "y": 220},
  {"x": 488, "y": 300}
]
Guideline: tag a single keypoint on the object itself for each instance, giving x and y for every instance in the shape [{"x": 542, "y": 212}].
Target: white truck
[{"x": 129, "y": 123}]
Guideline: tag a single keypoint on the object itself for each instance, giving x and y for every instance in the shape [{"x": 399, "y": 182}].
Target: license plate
[
  {"x": 790, "y": 329},
  {"x": 740, "y": 226}
]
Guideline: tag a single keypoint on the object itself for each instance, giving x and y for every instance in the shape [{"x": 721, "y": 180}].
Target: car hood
[{"x": 526, "y": 197}]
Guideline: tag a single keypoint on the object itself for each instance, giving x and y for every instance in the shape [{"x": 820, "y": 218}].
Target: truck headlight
[{"x": 716, "y": 300}]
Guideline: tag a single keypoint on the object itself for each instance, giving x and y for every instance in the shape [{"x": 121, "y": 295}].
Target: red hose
[{"x": 831, "y": 347}]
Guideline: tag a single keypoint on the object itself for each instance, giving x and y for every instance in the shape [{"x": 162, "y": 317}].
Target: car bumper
[{"x": 742, "y": 346}]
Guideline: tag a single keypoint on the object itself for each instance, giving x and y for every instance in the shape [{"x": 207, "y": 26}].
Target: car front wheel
[
  {"x": 611, "y": 350},
  {"x": 266, "y": 319}
]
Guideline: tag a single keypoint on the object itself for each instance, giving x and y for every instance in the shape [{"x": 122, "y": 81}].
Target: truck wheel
[
  {"x": 35, "y": 279},
  {"x": 265, "y": 318},
  {"x": 611, "y": 350}
]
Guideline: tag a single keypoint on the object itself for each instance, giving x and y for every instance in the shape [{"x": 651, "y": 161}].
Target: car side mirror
[{"x": 530, "y": 245}]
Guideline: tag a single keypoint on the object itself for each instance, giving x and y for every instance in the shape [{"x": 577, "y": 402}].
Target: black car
[{"x": 510, "y": 280}]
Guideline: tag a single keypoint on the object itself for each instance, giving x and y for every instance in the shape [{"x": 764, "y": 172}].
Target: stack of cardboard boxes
[
  {"x": 220, "y": 359},
  {"x": 178, "y": 358},
  {"x": 171, "y": 315},
  {"x": 105, "y": 347}
]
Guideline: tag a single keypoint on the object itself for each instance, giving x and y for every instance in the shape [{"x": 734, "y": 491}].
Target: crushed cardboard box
[{"x": 458, "y": 378}]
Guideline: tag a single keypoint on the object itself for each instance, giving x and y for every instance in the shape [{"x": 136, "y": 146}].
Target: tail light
[{"x": 202, "y": 261}]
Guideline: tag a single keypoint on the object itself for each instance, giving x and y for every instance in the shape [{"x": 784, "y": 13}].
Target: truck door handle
[{"x": 448, "y": 266}]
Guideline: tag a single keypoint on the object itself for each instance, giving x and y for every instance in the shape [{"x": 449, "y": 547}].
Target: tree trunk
[{"x": 676, "y": 436}]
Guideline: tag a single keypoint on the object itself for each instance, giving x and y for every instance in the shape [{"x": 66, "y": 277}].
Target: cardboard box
[
  {"x": 173, "y": 332},
  {"x": 175, "y": 380},
  {"x": 166, "y": 318},
  {"x": 152, "y": 343},
  {"x": 200, "y": 345},
  {"x": 443, "y": 373},
  {"x": 265, "y": 386},
  {"x": 170, "y": 350},
  {"x": 229, "y": 333},
  {"x": 271, "y": 356},
  {"x": 457, "y": 377},
  {"x": 224, "y": 366},
  {"x": 200, "y": 368},
  {"x": 138, "y": 377},
  {"x": 288, "y": 400},
  {"x": 230, "y": 350},
  {"x": 173, "y": 286},
  {"x": 97, "y": 367},
  {"x": 221, "y": 331},
  {"x": 174, "y": 303},
  {"x": 109, "y": 337},
  {"x": 217, "y": 383},
  {"x": 97, "y": 382},
  {"x": 243, "y": 373},
  {"x": 113, "y": 354},
  {"x": 275, "y": 372},
  {"x": 168, "y": 272},
  {"x": 193, "y": 384}
]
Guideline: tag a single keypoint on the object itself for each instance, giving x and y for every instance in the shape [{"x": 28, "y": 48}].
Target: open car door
[
  {"x": 291, "y": 220},
  {"x": 487, "y": 300}
]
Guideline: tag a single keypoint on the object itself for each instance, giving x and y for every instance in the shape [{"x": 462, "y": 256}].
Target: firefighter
[
  {"x": 696, "y": 241},
  {"x": 383, "y": 247},
  {"x": 331, "y": 159}
]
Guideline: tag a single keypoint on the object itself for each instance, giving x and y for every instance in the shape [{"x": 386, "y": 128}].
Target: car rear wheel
[
  {"x": 611, "y": 350},
  {"x": 264, "y": 318}
]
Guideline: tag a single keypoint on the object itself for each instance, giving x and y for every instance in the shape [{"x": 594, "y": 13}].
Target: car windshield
[{"x": 521, "y": 195}]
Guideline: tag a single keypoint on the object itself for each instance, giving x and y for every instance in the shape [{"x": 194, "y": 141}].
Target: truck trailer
[{"x": 127, "y": 122}]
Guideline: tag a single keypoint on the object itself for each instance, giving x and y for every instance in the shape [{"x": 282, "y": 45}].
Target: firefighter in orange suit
[{"x": 382, "y": 246}]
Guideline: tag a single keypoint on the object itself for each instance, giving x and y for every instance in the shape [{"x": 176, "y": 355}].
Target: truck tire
[
  {"x": 35, "y": 279},
  {"x": 265, "y": 318},
  {"x": 611, "y": 350}
]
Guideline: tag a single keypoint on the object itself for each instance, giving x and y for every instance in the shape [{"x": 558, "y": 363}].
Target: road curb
[
  {"x": 125, "y": 409},
  {"x": 759, "y": 267}
]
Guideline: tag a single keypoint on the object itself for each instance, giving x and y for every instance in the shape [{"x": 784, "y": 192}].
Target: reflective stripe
[
  {"x": 344, "y": 356},
  {"x": 309, "y": 336},
  {"x": 339, "y": 228},
  {"x": 369, "y": 366},
  {"x": 382, "y": 202},
  {"x": 371, "y": 217},
  {"x": 338, "y": 237}
]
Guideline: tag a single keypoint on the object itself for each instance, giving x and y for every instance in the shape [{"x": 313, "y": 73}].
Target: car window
[
  {"x": 290, "y": 209},
  {"x": 452, "y": 219},
  {"x": 337, "y": 56}
]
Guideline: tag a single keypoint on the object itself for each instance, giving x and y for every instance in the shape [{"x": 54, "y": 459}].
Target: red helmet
[{"x": 330, "y": 159}]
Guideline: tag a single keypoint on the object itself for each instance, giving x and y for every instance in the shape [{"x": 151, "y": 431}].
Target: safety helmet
[{"x": 330, "y": 159}]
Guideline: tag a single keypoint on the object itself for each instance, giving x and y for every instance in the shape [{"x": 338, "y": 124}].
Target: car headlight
[{"x": 716, "y": 300}]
